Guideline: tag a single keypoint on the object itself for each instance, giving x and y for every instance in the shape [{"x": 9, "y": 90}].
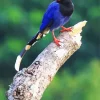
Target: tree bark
[{"x": 30, "y": 83}]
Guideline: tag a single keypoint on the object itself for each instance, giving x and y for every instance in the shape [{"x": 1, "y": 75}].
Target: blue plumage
[
  {"x": 57, "y": 14},
  {"x": 53, "y": 14}
]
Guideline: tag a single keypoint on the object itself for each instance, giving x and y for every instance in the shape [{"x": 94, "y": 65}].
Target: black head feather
[
  {"x": 62, "y": 1},
  {"x": 66, "y": 7}
]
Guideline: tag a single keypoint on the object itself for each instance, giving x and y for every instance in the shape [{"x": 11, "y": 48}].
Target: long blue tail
[{"x": 38, "y": 36}]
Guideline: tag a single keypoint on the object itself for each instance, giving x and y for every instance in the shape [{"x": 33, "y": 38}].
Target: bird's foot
[
  {"x": 56, "y": 41},
  {"x": 64, "y": 29}
]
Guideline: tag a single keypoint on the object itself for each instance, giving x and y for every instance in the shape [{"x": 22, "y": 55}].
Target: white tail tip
[{"x": 17, "y": 64}]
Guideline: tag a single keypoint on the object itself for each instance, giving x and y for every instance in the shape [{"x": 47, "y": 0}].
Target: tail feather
[{"x": 38, "y": 36}]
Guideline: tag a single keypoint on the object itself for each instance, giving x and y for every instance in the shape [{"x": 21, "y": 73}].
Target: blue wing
[{"x": 49, "y": 16}]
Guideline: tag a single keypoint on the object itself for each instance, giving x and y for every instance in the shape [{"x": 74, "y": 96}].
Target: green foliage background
[{"x": 79, "y": 78}]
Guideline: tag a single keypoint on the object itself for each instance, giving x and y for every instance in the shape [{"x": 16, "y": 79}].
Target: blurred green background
[{"x": 79, "y": 78}]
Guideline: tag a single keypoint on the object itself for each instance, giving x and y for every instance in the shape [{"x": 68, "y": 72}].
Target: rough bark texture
[{"x": 30, "y": 83}]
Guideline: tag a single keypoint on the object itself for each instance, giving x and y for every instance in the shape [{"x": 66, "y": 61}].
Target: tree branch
[{"x": 30, "y": 83}]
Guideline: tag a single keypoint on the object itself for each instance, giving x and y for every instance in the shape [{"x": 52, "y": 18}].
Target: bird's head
[{"x": 62, "y": 1}]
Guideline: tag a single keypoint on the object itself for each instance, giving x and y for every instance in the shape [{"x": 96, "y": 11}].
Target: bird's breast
[{"x": 59, "y": 20}]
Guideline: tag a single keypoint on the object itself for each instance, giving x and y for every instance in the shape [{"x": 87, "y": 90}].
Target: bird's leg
[
  {"x": 64, "y": 29},
  {"x": 56, "y": 41}
]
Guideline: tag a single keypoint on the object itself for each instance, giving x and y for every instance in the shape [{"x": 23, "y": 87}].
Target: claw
[
  {"x": 57, "y": 42},
  {"x": 64, "y": 29}
]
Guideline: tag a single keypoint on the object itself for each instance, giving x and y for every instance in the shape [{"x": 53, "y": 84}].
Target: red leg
[
  {"x": 64, "y": 29},
  {"x": 56, "y": 41}
]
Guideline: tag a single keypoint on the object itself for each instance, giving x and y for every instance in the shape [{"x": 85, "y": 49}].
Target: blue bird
[{"x": 57, "y": 14}]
